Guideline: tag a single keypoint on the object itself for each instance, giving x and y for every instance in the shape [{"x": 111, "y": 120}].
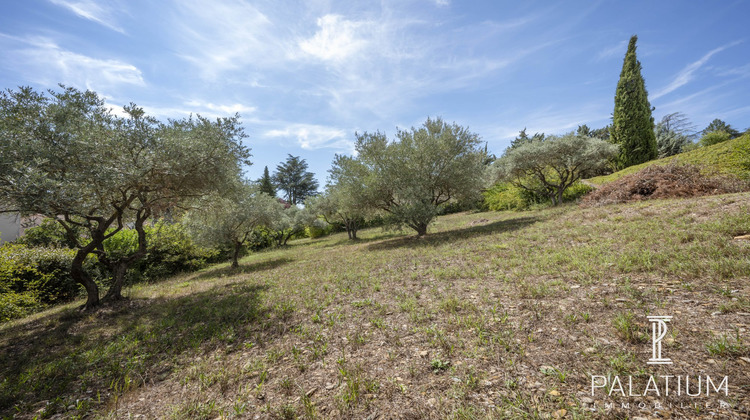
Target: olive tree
[
  {"x": 549, "y": 167},
  {"x": 234, "y": 218},
  {"x": 65, "y": 155},
  {"x": 292, "y": 221},
  {"x": 344, "y": 198},
  {"x": 412, "y": 177}
]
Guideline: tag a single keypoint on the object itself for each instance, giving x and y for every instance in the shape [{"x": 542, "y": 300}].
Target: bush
[
  {"x": 506, "y": 196},
  {"x": 714, "y": 137},
  {"x": 32, "y": 278},
  {"x": 576, "y": 191},
  {"x": 668, "y": 181},
  {"x": 49, "y": 234},
  {"x": 43, "y": 272},
  {"x": 17, "y": 305},
  {"x": 170, "y": 250}
]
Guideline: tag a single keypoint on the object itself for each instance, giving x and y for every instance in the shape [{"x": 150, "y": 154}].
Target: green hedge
[
  {"x": 32, "y": 278},
  {"x": 44, "y": 272}
]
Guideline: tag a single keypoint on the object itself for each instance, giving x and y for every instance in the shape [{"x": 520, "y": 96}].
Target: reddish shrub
[{"x": 668, "y": 181}]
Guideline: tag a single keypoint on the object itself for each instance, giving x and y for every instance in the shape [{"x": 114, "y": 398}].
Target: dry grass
[
  {"x": 492, "y": 315},
  {"x": 668, "y": 181}
]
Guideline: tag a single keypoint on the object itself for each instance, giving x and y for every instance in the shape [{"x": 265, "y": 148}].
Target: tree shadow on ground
[
  {"x": 228, "y": 271},
  {"x": 440, "y": 238},
  {"x": 379, "y": 237},
  {"x": 49, "y": 362}
]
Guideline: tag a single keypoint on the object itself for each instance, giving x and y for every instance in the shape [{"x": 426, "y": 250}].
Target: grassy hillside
[
  {"x": 729, "y": 158},
  {"x": 492, "y": 315}
]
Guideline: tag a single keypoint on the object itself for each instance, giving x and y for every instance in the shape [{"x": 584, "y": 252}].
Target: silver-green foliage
[
  {"x": 63, "y": 154},
  {"x": 232, "y": 219},
  {"x": 411, "y": 177},
  {"x": 550, "y": 166},
  {"x": 344, "y": 198}
]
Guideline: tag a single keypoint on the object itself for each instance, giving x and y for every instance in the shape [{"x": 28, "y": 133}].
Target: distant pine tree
[
  {"x": 632, "y": 124},
  {"x": 266, "y": 185}
]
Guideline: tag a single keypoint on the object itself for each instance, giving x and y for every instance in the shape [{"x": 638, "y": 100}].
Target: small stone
[
  {"x": 639, "y": 418},
  {"x": 431, "y": 402},
  {"x": 589, "y": 350},
  {"x": 486, "y": 383},
  {"x": 424, "y": 353},
  {"x": 310, "y": 392},
  {"x": 554, "y": 393},
  {"x": 711, "y": 361},
  {"x": 745, "y": 359},
  {"x": 669, "y": 341},
  {"x": 587, "y": 400},
  {"x": 330, "y": 386}
]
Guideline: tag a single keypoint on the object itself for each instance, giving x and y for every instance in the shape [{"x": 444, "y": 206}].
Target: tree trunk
[
  {"x": 82, "y": 277},
  {"x": 353, "y": 228},
  {"x": 236, "y": 254},
  {"x": 120, "y": 267},
  {"x": 118, "y": 280},
  {"x": 421, "y": 229}
]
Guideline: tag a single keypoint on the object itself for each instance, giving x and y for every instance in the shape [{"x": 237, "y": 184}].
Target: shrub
[
  {"x": 506, "y": 196},
  {"x": 170, "y": 250},
  {"x": 576, "y": 191},
  {"x": 43, "y": 272},
  {"x": 17, "y": 305},
  {"x": 714, "y": 137},
  {"x": 49, "y": 234},
  {"x": 32, "y": 278},
  {"x": 668, "y": 181}
]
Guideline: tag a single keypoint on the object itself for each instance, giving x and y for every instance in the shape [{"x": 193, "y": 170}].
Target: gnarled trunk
[
  {"x": 120, "y": 267},
  {"x": 118, "y": 279},
  {"x": 82, "y": 277}
]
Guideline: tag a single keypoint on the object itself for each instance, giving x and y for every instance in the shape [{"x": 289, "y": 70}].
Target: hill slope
[
  {"x": 728, "y": 158},
  {"x": 491, "y": 315}
]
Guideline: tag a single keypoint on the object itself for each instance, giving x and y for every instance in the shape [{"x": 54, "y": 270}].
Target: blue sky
[{"x": 306, "y": 75}]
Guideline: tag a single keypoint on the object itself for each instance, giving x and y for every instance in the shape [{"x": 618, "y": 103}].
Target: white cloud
[
  {"x": 312, "y": 137},
  {"x": 42, "y": 60},
  {"x": 336, "y": 40},
  {"x": 92, "y": 10},
  {"x": 226, "y": 110},
  {"x": 221, "y": 36},
  {"x": 612, "y": 51},
  {"x": 687, "y": 74}
]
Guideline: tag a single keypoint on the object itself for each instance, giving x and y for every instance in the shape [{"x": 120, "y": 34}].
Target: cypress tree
[
  {"x": 266, "y": 186},
  {"x": 632, "y": 123}
]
